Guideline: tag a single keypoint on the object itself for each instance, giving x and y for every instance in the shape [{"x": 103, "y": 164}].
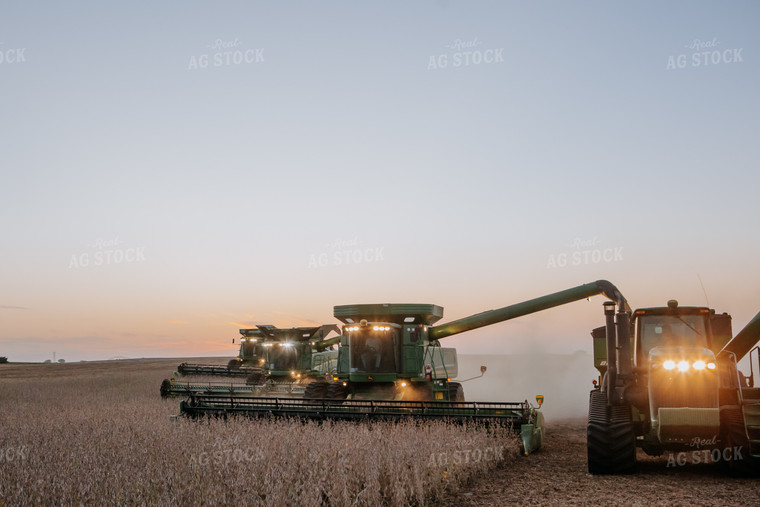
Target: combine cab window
[
  {"x": 373, "y": 351},
  {"x": 283, "y": 357},
  {"x": 248, "y": 350},
  {"x": 671, "y": 331}
]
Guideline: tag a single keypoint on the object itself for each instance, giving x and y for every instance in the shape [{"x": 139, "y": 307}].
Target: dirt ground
[{"x": 556, "y": 475}]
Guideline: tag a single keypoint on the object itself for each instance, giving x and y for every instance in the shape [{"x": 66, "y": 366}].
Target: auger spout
[{"x": 745, "y": 339}]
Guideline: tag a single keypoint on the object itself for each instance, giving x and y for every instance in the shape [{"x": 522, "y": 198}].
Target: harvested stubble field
[{"x": 98, "y": 433}]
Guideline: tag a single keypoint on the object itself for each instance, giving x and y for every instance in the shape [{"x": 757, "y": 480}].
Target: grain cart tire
[
  {"x": 611, "y": 440},
  {"x": 316, "y": 390},
  {"x": 741, "y": 464},
  {"x": 234, "y": 364},
  {"x": 456, "y": 392}
]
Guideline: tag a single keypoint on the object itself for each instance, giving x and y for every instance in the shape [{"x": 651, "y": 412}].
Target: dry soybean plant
[{"x": 106, "y": 438}]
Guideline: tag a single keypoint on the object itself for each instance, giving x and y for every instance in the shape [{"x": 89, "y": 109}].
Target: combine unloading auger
[{"x": 391, "y": 366}]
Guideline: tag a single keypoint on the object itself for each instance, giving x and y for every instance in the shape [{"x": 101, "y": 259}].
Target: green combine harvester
[
  {"x": 287, "y": 361},
  {"x": 391, "y": 366}
]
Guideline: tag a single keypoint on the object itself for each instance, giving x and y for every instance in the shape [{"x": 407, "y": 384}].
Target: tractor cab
[
  {"x": 676, "y": 349},
  {"x": 680, "y": 330}
]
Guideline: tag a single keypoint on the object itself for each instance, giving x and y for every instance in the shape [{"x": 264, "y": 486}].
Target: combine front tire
[
  {"x": 234, "y": 364},
  {"x": 316, "y": 390},
  {"x": 166, "y": 388},
  {"x": 337, "y": 391},
  {"x": 256, "y": 379},
  {"x": 456, "y": 393},
  {"x": 611, "y": 439}
]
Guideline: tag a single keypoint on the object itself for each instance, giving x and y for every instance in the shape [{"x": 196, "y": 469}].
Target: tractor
[{"x": 668, "y": 381}]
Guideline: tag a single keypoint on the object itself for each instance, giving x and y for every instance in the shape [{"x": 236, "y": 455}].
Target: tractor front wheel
[
  {"x": 611, "y": 439},
  {"x": 742, "y": 463}
]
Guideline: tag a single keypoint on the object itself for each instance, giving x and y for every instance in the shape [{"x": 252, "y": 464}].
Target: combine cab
[
  {"x": 391, "y": 366},
  {"x": 669, "y": 383}
]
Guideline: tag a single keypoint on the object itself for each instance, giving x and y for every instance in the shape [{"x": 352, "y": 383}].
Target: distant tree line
[{"x": 3, "y": 359}]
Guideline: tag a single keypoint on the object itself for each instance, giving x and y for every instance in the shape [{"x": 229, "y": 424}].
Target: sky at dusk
[{"x": 175, "y": 171}]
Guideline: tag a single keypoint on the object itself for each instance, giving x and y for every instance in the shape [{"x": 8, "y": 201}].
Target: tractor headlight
[
  {"x": 699, "y": 365},
  {"x": 669, "y": 365},
  {"x": 683, "y": 365},
  {"x": 710, "y": 366}
]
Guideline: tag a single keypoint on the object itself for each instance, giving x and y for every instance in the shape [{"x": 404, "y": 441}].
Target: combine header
[
  {"x": 519, "y": 415},
  {"x": 391, "y": 365}
]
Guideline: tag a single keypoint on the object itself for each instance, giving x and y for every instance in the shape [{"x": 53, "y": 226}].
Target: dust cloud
[{"x": 563, "y": 379}]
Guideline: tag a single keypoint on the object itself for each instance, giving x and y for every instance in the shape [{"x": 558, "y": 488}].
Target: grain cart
[
  {"x": 289, "y": 360},
  {"x": 669, "y": 382},
  {"x": 391, "y": 365}
]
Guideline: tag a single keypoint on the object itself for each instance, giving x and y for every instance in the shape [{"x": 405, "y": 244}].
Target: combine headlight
[
  {"x": 403, "y": 384},
  {"x": 669, "y": 365},
  {"x": 683, "y": 365},
  {"x": 699, "y": 365},
  {"x": 710, "y": 366}
]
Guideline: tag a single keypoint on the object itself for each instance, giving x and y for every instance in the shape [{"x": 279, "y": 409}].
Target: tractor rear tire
[
  {"x": 316, "y": 390},
  {"x": 611, "y": 440}
]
